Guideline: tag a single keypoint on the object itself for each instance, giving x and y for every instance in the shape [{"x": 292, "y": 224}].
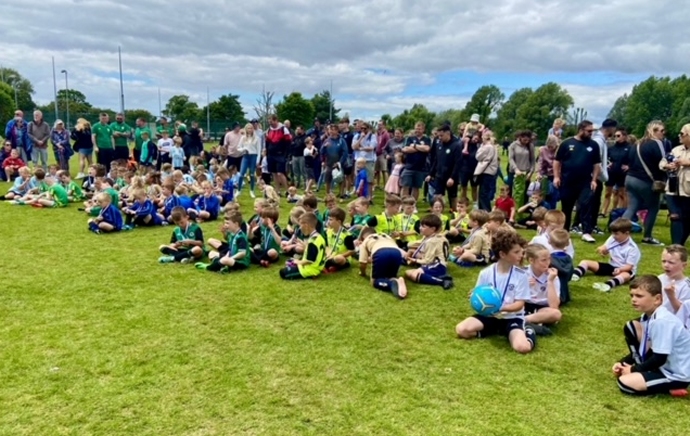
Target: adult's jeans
[
  {"x": 640, "y": 197},
  {"x": 679, "y": 214},
  {"x": 487, "y": 189},
  {"x": 248, "y": 165},
  {"x": 298, "y": 170},
  {"x": 40, "y": 153},
  {"x": 571, "y": 193}
]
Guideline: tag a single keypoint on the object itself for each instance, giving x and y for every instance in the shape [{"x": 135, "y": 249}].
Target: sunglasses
[
  {"x": 589, "y": 130},
  {"x": 619, "y": 135}
]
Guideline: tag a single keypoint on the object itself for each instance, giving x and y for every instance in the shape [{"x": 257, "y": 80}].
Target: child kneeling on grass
[
  {"x": 186, "y": 242},
  {"x": 659, "y": 344},
  {"x": 431, "y": 255},
  {"x": 233, "y": 256},
  {"x": 623, "y": 258},
  {"x": 109, "y": 218},
  {"x": 512, "y": 282},
  {"x": 314, "y": 258},
  {"x": 385, "y": 258},
  {"x": 542, "y": 306}
]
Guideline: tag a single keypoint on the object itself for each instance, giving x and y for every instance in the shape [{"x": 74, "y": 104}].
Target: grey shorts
[{"x": 413, "y": 179}]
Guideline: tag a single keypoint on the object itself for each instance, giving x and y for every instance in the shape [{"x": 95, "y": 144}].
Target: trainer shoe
[
  {"x": 166, "y": 259},
  {"x": 80, "y": 176},
  {"x": 598, "y": 231},
  {"x": 187, "y": 260},
  {"x": 447, "y": 284},
  {"x": 251, "y": 194},
  {"x": 588, "y": 238},
  {"x": 201, "y": 265},
  {"x": 127, "y": 227},
  {"x": 577, "y": 230},
  {"x": 575, "y": 278},
  {"x": 652, "y": 241},
  {"x": 539, "y": 329},
  {"x": 603, "y": 287}
]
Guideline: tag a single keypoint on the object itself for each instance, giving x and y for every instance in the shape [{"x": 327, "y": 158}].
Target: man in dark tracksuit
[{"x": 446, "y": 157}]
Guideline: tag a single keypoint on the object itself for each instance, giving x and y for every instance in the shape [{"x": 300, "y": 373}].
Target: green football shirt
[
  {"x": 59, "y": 195},
  {"x": 138, "y": 141},
  {"x": 103, "y": 134},
  {"x": 121, "y": 141}
]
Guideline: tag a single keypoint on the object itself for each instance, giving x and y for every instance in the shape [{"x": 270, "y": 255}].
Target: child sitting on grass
[
  {"x": 74, "y": 191},
  {"x": 23, "y": 183},
  {"x": 267, "y": 251},
  {"x": 460, "y": 224},
  {"x": 12, "y": 165},
  {"x": 386, "y": 222},
  {"x": 233, "y": 256},
  {"x": 506, "y": 204},
  {"x": 659, "y": 345},
  {"x": 340, "y": 245},
  {"x": 270, "y": 193},
  {"x": 561, "y": 261},
  {"x": 476, "y": 250},
  {"x": 676, "y": 287},
  {"x": 361, "y": 216},
  {"x": 542, "y": 306},
  {"x": 511, "y": 281},
  {"x": 553, "y": 219},
  {"x": 623, "y": 258},
  {"x": 430, "y": 256},
  {"x": 294, "y": 238},
  {"x": 224, "y": 186},
  {"x": 385, "y": 258},
  {"x": 206, "y": 206},
  {"x": 142, "y": 212},
  {"x": 408, "y": 224},
  {"x": 55, "y": 196},
  {"x": 529, "y": 221},
  {"x": 38, "y": 187},
  {"x": 314, "y": 258},
  {"x": 109, "y": 218},
  {"x": 186, "y": 242}
]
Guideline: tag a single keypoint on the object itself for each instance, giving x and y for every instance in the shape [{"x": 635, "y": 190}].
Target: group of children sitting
[{"x": 315, "y": 242}]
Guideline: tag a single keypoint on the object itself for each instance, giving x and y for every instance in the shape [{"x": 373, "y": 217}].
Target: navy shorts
[
  {"x": 385, "y": 263},
  {"x": 276, "y": 164},
  {"x": 467, "y": 176},
  {"x": 436, "y": 269},
  {"x": 499, "y": 326},
  {"x": 658, "y": 383},
  {"x": 531, "y": 308}
]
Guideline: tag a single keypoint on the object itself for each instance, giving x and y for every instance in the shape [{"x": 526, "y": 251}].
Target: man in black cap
[{"x": 446, "y": 156}]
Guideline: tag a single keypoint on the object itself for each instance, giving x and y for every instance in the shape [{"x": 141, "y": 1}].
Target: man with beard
[
  {"x": 575, "y": 173},
  {"x": 416, "y": 150},
  {"x": 122, "y": 132}
]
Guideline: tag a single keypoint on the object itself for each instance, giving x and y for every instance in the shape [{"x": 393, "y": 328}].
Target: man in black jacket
[
  {"x": 297, "y": 147},
  {"x": 445, "y": 165}
]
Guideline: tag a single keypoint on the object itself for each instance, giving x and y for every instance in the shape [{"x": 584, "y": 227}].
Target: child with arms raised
[
  {"x": 623, "y": 258},
  {"x": 186, "y": 242},
  {"x": 314, "y": 258},
  {"x": 431, "y": 256},
  {"x": 512, "y": 283},
  {"x": 659, "y": 344}
]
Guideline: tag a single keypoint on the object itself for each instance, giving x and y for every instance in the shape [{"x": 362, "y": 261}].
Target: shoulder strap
[{"x": 644, "y": 165}]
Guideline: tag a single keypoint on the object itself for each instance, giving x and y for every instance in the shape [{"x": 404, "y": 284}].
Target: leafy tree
[
  {"x": 545, "y": 104},
  {"x": 649, "y": 100},
  {"x": 131, "y": 115},
  {"x": 506, "y": 116},
  {"x": 683, "y": 115},
  {"x": 619, "y": 110},
  {"x": 407, "y": 119},
  {"x": 6, "y": 103},
  {"x": 297, "y": 109},
  {"x": 388, "y": 119},
  {"x": 227, "y": 109},
  {"x": 179, "y": 107},
  {"x": 324, "y": 107},
  {"x": 455, "y": 116},
  {"x": 23, "y": 86},
  {"x": 485, "y": 102}
]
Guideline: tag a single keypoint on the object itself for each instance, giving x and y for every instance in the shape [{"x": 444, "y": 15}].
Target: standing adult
[
  {"x": 103, "y": 140},
  {"x": 250, "y": 147},
  {"x": 348, "y": 170},
  {"x": 395, "y": 145},
  {"x": 39, "y": 134},
  {"x": 231, "y": 143},
  {"x": 416, "y": 150},
  {"x": 62, "y": 150},
  {"x": 16, "y": 133},
  {"x": 469, "y": 165},
  {"x": 381, "y": 167},
  {"x": 547, "y": 155},
  {"x": 278, "y": 141},
  {"x": 365, "y": 148},
  {"x": 617, "y": 166},
  {"x": 122, "y": 132},
  {"x": 138, "y": 140},
  {"x": 677, "y": 164},
  {"x": 575, "y": 173},
  {"x": 196, "y": 140},
  {"x": 601, "y": 137},
  {"x": 643, "y": 172},
  {"x": 486, "y": 171},
  {"x": 521, "y": 166},
  {"x": 445, "y": 165},
  {"x": 333, "y": 154},
  {"x": 164, "y": 125},
  {"x": 297, "y": 147},
  {"x": 83, "y": 145}
]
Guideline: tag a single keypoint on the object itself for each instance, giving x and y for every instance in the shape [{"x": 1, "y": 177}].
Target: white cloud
[{"x": 373, "y": 52}]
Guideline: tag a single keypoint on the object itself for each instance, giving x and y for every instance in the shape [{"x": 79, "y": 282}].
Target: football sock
[
  {"x": 580, "y": 271},
  {"x": 179, "y": 255},
  {"x": 531, "y": 336},
  {"x": 384, "y": 285},
  {"x": 93, "y": 227},
  {"x": 168, "y": 251},
  {"x": 215, "y": 265},
  {"x": 428, "y": 279},
  {"x": 616, "y": 281}
]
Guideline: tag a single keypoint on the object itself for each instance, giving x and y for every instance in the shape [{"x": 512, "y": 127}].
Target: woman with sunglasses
[
  {"x": 677, "y": 164},
  {"x": 642, "y": 174}
]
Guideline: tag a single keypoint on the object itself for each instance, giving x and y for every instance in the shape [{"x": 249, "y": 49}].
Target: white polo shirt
[
  {"x": 682, "y": 290},
  {"x": 512, "y": 286},
  {"x": 623, "y": 253},
  {"x": 538, "y": 290},
  {"x": 666, "y": 334}
]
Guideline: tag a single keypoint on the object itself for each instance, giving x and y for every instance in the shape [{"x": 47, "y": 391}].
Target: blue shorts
[
  {"x": 385, "y": 263},
  {"x": 436, "y": 269},
  {"x": 86, "y": 151}
]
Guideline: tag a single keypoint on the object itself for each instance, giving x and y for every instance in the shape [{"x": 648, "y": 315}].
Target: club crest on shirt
[{"x": 589, "y": 148}]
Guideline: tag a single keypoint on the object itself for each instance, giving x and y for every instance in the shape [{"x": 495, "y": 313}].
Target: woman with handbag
[
  {"x": 60, "y": 138},
  {"x": 645, "y": 181},
  {"x": 677, "y": 165}
]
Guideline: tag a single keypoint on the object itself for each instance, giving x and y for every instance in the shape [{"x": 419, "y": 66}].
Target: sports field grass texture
[{"x": 97, "y": 338}]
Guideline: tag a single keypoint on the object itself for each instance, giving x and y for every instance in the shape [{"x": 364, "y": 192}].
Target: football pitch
[{"x": 97, "y": 338}]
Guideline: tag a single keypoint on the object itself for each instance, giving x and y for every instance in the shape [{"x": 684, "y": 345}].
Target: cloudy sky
[{"x": 381, "y": 57}]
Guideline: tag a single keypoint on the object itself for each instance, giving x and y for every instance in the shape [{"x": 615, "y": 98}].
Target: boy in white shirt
[
  {"x": 659, "y": 358},
  {"x": 165, "y": 146},
  {"x": 623, "y": 258},
  {"x": 676, "y": 287},
  {"x": 542, "y": 306},
  {"x": 553, "y": 219}
]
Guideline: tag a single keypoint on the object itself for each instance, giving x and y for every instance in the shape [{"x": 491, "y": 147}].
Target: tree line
[{"x": 663, "y": 98}]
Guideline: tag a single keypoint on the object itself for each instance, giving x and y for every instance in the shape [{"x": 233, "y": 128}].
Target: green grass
[{"x": 96, "y": 338}]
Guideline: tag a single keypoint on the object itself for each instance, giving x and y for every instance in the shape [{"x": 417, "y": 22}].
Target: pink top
[{"x": 546, "y": 158}]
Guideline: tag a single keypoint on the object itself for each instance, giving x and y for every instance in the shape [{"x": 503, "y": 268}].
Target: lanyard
[
  {"x": 645, "y": 337},
  {"x": 388, "y": 224},
  {"x": 267, "y": 238},
  {"x": 407, "y": 223},
  {"x": 232, "y": 243},
  {"x": 337, "y": 238},
  {"x": 537, "y": 280},
  {"x": 505, "y": 289},
  {"x": 618, "y": 244},
  {"x": 424, "y": 241}
]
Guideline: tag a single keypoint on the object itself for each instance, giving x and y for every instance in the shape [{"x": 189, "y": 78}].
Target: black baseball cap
[
  {"x": 608, "y": 122},
  {"x": 254, "y": 121}
]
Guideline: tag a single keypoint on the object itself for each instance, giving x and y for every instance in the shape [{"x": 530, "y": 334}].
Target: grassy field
[{"x": 97, "y": 338}]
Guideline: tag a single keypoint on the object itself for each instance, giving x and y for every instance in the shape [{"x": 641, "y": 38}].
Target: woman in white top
[
  {"x": 678, "y": 187},
  {"x": 250, "y": 146}
]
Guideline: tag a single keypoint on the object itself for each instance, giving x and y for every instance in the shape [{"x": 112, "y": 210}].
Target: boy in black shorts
[
  {"x": 659, "y": 344},
  {"x": 186, "y": 242},
  {"x": 235, "y": 254}
]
